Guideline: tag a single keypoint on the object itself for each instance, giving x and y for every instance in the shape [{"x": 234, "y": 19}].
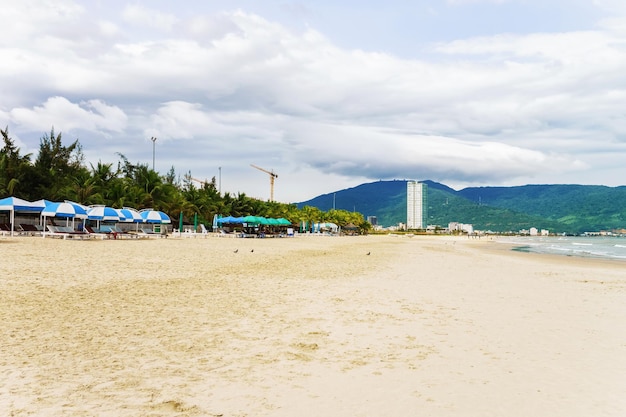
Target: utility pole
[
  {"x": 153, "y": 139},
  {"x": 220, "y": 180}
]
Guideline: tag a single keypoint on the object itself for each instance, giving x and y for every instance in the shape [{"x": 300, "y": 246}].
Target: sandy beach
[{"x": 307, "y": 326}]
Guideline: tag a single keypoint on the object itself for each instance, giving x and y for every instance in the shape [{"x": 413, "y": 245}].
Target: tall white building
[{"x": 416, "y": 205}]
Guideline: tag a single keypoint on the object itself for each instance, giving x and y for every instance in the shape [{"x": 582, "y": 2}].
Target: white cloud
[
  {"x": 143, "y": 16},
  {"x": 92, "y": 115},
  {"x": 492, "y": 109}
]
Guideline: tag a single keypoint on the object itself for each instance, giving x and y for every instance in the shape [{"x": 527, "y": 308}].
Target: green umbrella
[
  {"x": 251, "y": 220},
  {"x": 180, "y": 222},
  {"x": 195, "y": 222},
  {"x": 273, "y": 222}
]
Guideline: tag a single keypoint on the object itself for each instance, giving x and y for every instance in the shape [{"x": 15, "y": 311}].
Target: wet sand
[{"x": 307, "y": 326}]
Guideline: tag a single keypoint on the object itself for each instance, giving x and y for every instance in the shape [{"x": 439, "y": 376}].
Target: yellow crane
[{"x": 272, "y": 175}]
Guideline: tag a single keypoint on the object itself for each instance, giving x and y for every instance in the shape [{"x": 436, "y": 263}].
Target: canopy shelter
[
  {"x": 15, "y": 204},
  {"x": 253, "y": 221},
  {"x": 230, "y": 220},
  {"x": 260, "y": 224}
]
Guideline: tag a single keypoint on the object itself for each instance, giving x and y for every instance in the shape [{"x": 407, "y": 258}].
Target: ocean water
[{"x": 581, "y": 246}]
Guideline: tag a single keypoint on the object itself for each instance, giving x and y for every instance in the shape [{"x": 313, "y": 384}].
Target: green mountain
[{"x": 559, "y": 208}]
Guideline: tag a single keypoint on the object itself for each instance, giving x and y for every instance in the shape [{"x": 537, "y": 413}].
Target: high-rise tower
[{"x": 416, "y": 205}]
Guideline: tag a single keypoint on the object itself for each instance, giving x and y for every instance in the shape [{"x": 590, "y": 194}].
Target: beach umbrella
[
  {"x": 103, "y": 213},
  {"x": 129, "y": 215},
  {"x": 154, "y": 216},
  {"x": 195, "y": 222},
  {"x": 13, "y": 204},
  {"x": 251, "y": 220},
  {"x": 223, "y": 220},
  {"x": 284, "y": 222},
  {"x": 216, "y": 219},
  {"x": 180, "y": 222},
  {"x": 66, "y": 210}
]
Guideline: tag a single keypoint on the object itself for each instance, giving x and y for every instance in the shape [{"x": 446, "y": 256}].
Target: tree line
[{"x": 59, "y": 173}]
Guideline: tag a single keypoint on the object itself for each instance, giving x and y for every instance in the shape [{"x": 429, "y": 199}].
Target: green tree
[
  {"x": 14, "y": 169},
  {"x": 55, "y": 166}
]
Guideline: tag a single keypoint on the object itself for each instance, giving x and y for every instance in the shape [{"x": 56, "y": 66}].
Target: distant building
[
  {"x": 416, "y": 205},
  {"x": 460, "y": 227},
  {"x": 373, "y": 220}
]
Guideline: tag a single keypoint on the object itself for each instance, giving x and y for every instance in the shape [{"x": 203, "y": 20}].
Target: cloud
[
  {"x": 138, "y": 15},
  {"x": 91, "y": 115},
  {"x": 488, "y": 109}
]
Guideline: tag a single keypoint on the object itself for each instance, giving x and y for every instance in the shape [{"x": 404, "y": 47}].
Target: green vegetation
[
  {"x": 558, "y": 208},
  {"x": 59, "y": 173}
]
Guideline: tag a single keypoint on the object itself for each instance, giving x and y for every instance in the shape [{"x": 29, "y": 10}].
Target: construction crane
[
  {"x": 272, "y": 175},
  {"x": 199, "y": 181}
]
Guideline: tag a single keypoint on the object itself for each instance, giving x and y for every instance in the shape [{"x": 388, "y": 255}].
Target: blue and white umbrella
[
  {"x": 66, "y": 210},
  {"x": 129, "y": 215},
  {"x": 103, "y": 213},
  {"x": 154, "y": 216}
]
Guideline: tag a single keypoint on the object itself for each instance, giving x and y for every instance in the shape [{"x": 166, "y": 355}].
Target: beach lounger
[
  {"x": 204, "y": 230},
  {"x": 223, "y": 233},
  {"x": 145, "y": 232},
  {"x": 5, "y": 228},
  {"x": 122, "y": 233},
  {"x": 29, "y": 229},
  {"x": 65, "y": 232},
  {"x": 96, "y": 233},
  {"x": 55, "y": 231}
]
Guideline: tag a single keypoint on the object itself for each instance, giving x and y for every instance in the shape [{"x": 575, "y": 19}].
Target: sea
[{"x": 603, "y": 247}]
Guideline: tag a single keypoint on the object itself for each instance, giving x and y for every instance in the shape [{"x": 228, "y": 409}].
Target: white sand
[{"x": 311, "y": 326}]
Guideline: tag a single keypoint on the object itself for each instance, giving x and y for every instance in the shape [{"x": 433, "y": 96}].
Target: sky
[{"x": 326, "y": 94}]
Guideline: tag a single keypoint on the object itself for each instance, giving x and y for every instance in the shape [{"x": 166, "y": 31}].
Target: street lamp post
[{"x": 153, "y": 139}]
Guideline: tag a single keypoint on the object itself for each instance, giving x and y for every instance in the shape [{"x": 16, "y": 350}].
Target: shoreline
[{"x": 308, "y": 326}]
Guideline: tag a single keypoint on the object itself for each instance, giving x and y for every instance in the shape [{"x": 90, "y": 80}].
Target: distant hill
[{"x": 559, "y": 208}]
